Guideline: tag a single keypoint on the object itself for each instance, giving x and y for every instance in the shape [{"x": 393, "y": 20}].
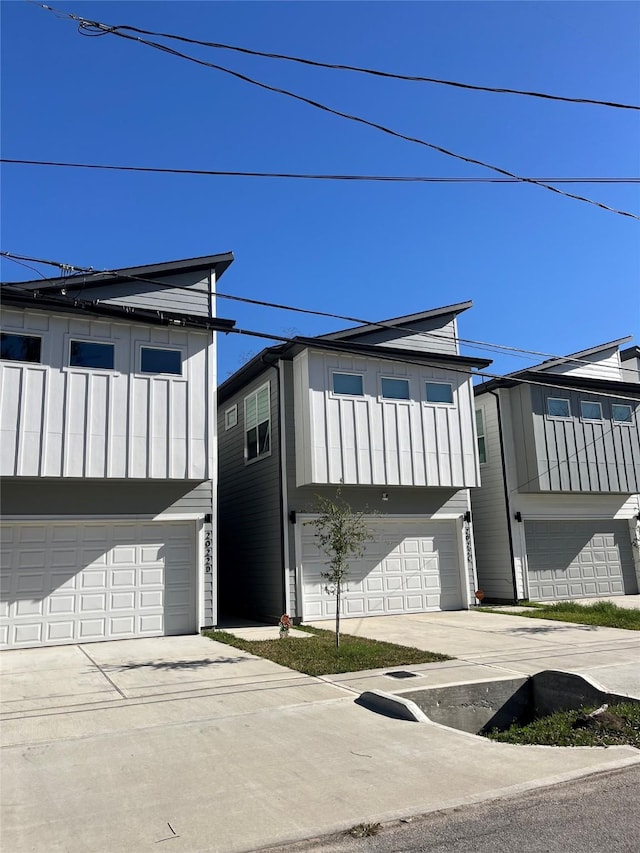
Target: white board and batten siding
[
  {"x": 368, "y": 440},
  {"x": 62, "y": 421}
]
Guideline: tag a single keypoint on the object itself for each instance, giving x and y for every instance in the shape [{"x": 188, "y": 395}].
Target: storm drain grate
[{"x": 401, "y": 673}]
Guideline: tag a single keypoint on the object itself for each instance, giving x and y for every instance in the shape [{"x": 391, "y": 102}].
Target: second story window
[
  {"x": 91, "y": 354},
  {"x": 157, "y": 360},
  {"x": 558, "y": 407},
  {"x": 482, "y": 446},
  {"x": 621, "y": 413},
  {"x": 20, "y": 347},
  {"x": 394, "y": 389},
  {"x": 257, "y": 424},
  {"x": 349, "y": 384},
  {"x": 439, "y": 392},
  {"x": 590, "y": 411}
]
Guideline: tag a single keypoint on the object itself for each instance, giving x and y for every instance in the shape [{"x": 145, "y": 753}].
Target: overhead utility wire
[
  {"x": 355, "y": 68},
  {"x": 96, "y": 28},
  {"x": 407, "y": 179},
  {"x": 78, "y": 271}
]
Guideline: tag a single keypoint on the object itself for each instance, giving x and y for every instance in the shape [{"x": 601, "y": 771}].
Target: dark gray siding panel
[
  {"x": 22, "y": 496},
  {"x": 250, "y": 567},
  {"x": 576, "y": 455},
  {"x": 185, "y": 293},
  {"x": 490, "y": 526}
]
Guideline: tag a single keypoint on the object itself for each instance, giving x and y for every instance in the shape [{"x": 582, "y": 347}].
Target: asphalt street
[{"x": 593, "y": 815}]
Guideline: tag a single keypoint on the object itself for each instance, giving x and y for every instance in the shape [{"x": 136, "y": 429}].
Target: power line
[
  {"x": 319, "y": 177},
  {"x": 485, "y": 345},
  {"x": 86, "y": 27},
  {"x": 105, "y": 29}
]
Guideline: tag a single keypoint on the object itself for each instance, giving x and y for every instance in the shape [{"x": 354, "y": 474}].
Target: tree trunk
[{"x": 338, "y": 590}]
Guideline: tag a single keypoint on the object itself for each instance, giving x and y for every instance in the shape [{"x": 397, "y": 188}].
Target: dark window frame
[{"x": 155, "y": 372}]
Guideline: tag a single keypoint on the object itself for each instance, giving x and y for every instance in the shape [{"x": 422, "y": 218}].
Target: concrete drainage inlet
[{"x": 482, "y": 706}]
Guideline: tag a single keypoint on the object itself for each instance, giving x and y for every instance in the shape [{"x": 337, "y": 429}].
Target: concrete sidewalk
[{"x": 120, "y": 746}]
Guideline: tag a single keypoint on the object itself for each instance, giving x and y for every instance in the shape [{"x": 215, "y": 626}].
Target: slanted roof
[
  {"x": 568, "y": 380},
  {"x": 83, "y": 280},
  {"x": 357, "y": 331},
  {"x": 579, "y": 356},
  {"x": 16, "y": 297}
]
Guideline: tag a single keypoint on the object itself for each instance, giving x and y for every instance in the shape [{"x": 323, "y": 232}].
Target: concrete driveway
[
  {"x": 125, "y": 745},
  {"x": 488, "y": 645}
]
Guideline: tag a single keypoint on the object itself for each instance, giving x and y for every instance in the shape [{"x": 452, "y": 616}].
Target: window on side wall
[
  {"x": 257, "y": 424},
  {"x": 231, "y": 417},
  {"x": 558, "y": 407},
  {"x": 482, "y": 446},
  {"x": 590, "y": 411},
  {"x": 394, "y": 389},
  {"x": 348, "y": 384},
  {"x": 439, "y": 392},
  {"x": 20, "y": 347},
  {"x": 621, "y": 413},
  {"x": 91, "y": 354}
]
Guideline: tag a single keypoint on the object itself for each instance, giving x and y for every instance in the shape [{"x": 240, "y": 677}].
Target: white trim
[
  {"x": 394, "y": 400},
  {"x": 427, "y": 402},
  {"x": 625, "y": 406},
  {"x": 591, "y": 403},
  {"x": 337, "y": 394},
  {"x": 137, "y": 367},
  {"x": 566, "y": 400},
  {"x": 233, "y": 409},
  {"x": 255, "y": 393},
  {"x": 83, "y": 368}
]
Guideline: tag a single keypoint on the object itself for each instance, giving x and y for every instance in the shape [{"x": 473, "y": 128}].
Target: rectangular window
[
  {"x": 394, "y": 389},
  {"x": 90, "y": 354},
  {"x": 439, "y": 392},
  {"x": 156, "y": 360},
  {"x": 20, "y": 347},
  {"x": 590, "y": 411},
  {"x": 482, "y": 447},
  {"x": 231, "y": 417},
  {"x": 348, "y": 383},
  {"x": 558, "y": 407},
  {"x": 257, "y": 424},
  {"x": 621, "y": 413}
]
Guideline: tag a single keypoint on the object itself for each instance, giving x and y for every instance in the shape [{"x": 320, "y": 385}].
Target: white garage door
[
  {"x": 410, "y": 566},
  {"x": 70, "y": 583},
  {"x": 579, "y": 559}
]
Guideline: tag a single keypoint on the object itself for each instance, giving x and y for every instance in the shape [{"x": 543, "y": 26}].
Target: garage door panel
[
  {"x": 579, "y": 559},
  {"x": 410, "y": 566},
  {"x": 108, "y": 590}
]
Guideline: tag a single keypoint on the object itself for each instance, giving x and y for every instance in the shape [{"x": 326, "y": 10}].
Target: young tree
[{"x": 341, "y": 533}]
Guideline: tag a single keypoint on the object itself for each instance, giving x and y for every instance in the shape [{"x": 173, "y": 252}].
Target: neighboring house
[
  {"x": 383, "y": 410},
  {"x": 557, "y": 514},
  {"x": 108, "y": 456}
]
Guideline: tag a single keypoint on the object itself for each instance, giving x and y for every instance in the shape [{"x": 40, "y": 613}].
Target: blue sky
[{"x": 544, "y": 272}]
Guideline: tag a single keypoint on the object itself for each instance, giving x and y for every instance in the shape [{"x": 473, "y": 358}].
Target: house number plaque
[{"x": 208, "y": 548}]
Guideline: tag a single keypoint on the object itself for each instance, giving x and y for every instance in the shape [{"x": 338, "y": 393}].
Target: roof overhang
[{"x": 219, "y": 262}]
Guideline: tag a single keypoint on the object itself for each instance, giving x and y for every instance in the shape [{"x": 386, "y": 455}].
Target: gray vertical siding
[
  {"x": 491, "y": 530},
  {"x": 575, "y": 455},
  {"x": 250, "y": 567}
]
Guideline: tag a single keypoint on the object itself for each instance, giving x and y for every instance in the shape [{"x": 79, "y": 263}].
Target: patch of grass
[
  {"x": 364, "y": 830},
  {"x": 603, "y": 613},
  {"x": 317, "y": 655},
  {"x": 560, "y": 730}
]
